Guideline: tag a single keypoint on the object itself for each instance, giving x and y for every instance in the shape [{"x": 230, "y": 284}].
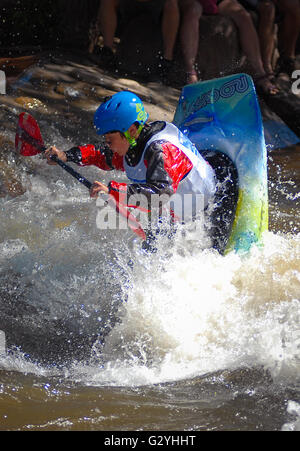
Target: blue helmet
[{"x": 119, "y": 112}]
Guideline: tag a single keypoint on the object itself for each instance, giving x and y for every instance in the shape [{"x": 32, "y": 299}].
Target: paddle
[{"x": 29, "y": 142}]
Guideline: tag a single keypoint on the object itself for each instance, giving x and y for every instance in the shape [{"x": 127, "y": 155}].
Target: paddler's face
[{"x": 117, "y": 143}]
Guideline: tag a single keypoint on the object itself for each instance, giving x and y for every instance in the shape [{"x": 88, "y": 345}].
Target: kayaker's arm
[
  {"x": 74, "y": 155},
  {"x": 54, "y": 151},
  {"x": 88, "y": 156}
]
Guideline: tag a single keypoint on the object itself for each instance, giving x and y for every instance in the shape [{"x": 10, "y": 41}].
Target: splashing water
[
  {"x": 184, "y": 311},
  {"x": 89, "y": 306}
]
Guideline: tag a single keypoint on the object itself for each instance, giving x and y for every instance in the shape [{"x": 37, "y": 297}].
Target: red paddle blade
[{"x": 29, "y": 141}]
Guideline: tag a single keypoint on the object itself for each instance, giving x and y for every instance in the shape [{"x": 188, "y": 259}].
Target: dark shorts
[{"x": 129, "y": 9}]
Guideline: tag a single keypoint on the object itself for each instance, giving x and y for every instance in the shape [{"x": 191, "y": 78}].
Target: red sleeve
[
  {"x": 118, "y": 191},
  {"x": 91, "y": 156},
  {"x": 176, "y": 163}
]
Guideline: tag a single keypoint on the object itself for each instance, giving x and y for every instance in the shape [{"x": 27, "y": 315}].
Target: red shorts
[{"x": 209, "y": 6}]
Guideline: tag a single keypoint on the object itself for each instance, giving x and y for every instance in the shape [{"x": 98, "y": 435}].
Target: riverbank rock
[
  {"x": 287, "y": 103},
  {"x": 64, "y": 89},
  {"x": 84, "y": 80},
  {"x": 69, "y": 86},
  {"x": 139, "y": 51}
]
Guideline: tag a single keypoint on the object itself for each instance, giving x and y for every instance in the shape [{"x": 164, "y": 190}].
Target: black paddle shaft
[
  {"x": 30, "y": 140},
  {"x": 72, "y": 172}
]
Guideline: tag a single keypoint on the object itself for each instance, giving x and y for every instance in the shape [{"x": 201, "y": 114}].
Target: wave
[{"x": 178, "y": 314}]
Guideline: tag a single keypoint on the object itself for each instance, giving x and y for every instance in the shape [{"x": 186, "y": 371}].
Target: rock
[
  {"x": 75, "y": 21},
  {"x": 277, "y": 133},
  {"x": 140, "y": 47},
  {"x": 15, "y": 66},
  {"x": 138, "y": 51},
  {"x": 286, "y": 104},
  {"x": 62, "y": 84},
  {"x": 29, "y": 103}
]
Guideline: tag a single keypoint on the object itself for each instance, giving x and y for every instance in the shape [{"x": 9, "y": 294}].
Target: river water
[{"x": 101, "y": 336}]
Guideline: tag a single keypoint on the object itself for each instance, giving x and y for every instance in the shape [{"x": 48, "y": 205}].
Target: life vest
[{"x": 200, "y": 180}]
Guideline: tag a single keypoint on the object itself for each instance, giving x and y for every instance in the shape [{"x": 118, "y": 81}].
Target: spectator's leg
[
  {"x": 109, "y": 21},
  {"x": 191, "y": 12},
  {"x": 170, "y": 25},
  {"x": 266, "y": 12},
  {"x": 249, "y": 43},
  {"x": 290, "y": 27}
]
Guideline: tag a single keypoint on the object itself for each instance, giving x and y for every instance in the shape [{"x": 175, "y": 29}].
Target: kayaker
[{"x": 157, "y": 158}]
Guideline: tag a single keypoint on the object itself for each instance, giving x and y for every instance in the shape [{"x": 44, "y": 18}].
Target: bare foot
[
  {"x": 191, "y": 77},
  {"x": 265, "y": 86}
]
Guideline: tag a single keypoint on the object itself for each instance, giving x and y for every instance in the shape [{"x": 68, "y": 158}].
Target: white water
[
  {"x": 204, "y": 313},
  {"x": 184, "y": 311},
  {"x": 293, "y": 409}
]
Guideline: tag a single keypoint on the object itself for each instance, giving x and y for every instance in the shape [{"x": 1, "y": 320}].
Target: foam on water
[
  {"x": 202, "y": 313},
  {"x": 184, "y": 311},
  {"x": 293, "y": 408}
]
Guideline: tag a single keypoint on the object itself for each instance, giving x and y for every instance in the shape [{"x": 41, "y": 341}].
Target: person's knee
[
  {"x": 266, "y": 12},
  {"x": 171, "y": 3},
  {"x": 243, "y": 18},
  {"x": 192, "y": 9},
  {"x": 196, "y": 9},
  {"x": 266, "y": 8},
  {"x": 171, "y": 7},
  {"x": 109, "y": 4}
]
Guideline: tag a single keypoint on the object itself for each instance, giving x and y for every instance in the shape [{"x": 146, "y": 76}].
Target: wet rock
[
  {"x": 277, "y": 133},
  {"x": 66, "y": 88},
  {"x": 140, "y": 44},
  {"x": 68, "y": 91},
  {"x": 286, "y": 104},
  {"x": 13, "y": 67},
  {"x": 29, "y": 103}
]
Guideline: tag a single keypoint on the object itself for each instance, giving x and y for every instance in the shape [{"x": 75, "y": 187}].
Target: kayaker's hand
[
  {"x": 97, "y": 188},
  {"x": 54, "y": 151}
]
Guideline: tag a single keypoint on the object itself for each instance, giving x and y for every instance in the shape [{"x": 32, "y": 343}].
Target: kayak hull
[{"x": 223, "y": 115}]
